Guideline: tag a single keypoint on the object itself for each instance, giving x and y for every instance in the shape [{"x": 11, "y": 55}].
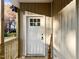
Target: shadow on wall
[{"x": 64, "y": 30}]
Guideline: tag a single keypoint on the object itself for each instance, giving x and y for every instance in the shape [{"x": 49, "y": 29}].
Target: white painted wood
[
  {"x": 23, "y": 33},
  {"x": 35, "y": 43},
  {"x": 65, "y": 33}
]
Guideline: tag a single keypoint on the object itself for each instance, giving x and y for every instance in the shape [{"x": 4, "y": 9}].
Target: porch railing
[{"x": 11, "y": 48}]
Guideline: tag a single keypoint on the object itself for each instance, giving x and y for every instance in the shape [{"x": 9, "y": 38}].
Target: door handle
[{"x": 41, "y": 38}]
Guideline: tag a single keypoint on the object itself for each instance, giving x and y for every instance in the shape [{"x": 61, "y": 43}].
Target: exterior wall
[
  {"x": 57, "y": 5},
  {"x": 23, "y": 27},
  {"x": 77, "y": 29},
  {"x": 65, "y": 32},
  {"x": 24, "y": 32}
]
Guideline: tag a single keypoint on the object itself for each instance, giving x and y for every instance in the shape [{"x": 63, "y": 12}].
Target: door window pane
[
  {"x": 38, "y": 20},
  {"x": 38, "y": 24},
  {"x": 35, "y": 20},
  {"x": 31, "y": 24},
  {"x": 34, "y": 24},
  {"x": 31, "y": 20}
]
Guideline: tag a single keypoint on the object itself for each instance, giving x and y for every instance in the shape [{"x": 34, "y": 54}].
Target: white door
[{"x": 36, "y": 36}]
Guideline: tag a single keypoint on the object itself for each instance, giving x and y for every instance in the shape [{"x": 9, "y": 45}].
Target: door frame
[{"x": 27, "y": 34}]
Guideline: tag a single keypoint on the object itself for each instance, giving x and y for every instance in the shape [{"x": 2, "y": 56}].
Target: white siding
[
  {"x": 77, "y": 29},
  {"x": 64, "y": 30}
]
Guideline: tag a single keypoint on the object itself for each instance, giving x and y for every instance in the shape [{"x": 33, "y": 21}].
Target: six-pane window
[{"x": 34, "y": 22}]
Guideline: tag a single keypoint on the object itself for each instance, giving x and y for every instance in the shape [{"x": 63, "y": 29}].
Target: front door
[{"x": 36, "y": 36}]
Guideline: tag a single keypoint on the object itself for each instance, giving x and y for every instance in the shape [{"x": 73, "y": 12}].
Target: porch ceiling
[{"x": 36, "y": 1}]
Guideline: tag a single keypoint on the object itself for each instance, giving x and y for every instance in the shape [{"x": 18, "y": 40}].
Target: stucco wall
[{"x": 64, "y": 32}]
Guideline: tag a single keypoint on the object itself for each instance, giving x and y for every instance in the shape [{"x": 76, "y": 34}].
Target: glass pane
[
  {"x": 38, "y": 20},
  {"x": 34, "y": 20},
  {"x": 34, "y": 24},
  {"x": 38, "y": 24},
  {"x": 31, "y": 24},
  {"x": 31, "y": 20}
]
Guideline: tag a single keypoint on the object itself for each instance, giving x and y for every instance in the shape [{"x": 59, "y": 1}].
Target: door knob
[
  {"x": 42, "y": 34},
  {"x": 41, "y": 38}
]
